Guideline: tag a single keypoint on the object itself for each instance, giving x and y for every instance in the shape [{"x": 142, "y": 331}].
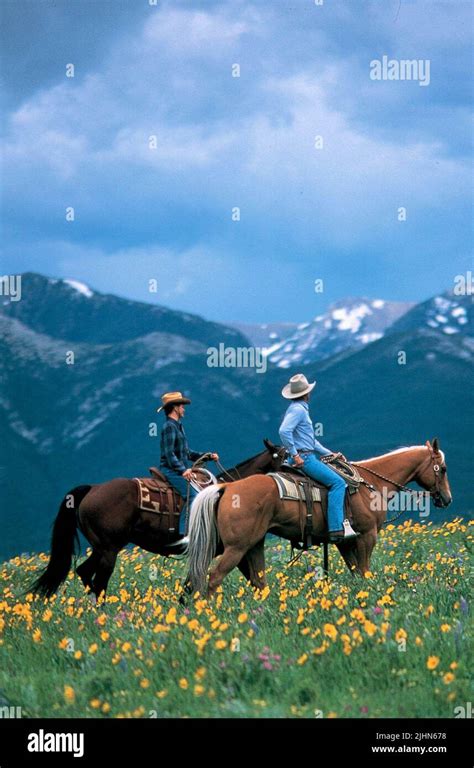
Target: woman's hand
[{"x": 298, "y": 461}]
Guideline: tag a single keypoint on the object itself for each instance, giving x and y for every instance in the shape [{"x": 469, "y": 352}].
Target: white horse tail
[{"x": 203, "y": 536}]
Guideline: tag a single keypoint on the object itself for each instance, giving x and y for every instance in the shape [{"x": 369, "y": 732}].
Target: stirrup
[{"x": 349, "y": 532}]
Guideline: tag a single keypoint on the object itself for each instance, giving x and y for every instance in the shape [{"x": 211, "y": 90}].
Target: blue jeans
[
  {"x": 181, "y": 485},
  {"x": 319, "y": 471}
]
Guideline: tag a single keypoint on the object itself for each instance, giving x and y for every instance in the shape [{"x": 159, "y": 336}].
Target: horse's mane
[
  {"x": 401, "y": 449},
  {"x": 246, "y": 461}
]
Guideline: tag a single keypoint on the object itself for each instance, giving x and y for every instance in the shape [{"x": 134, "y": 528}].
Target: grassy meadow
[{"x": 395, "y": 644}]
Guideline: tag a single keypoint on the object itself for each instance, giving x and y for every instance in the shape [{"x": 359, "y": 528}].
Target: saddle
[
  {"x": 312, "y": 496},
  {"x": 156, "y": 495}
]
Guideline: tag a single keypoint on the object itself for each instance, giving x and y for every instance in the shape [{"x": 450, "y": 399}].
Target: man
[
  {"x": 175, "y": 454},
  {"x": 297, "y": 435}
]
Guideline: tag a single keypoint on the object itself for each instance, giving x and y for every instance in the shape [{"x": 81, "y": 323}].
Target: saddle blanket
[
  {"x": 288, "y": 489},
  {"x": 156, "y": 496}
]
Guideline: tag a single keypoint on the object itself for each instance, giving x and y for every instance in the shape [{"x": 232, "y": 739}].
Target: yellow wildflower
[{"x": 330, "y": 631}]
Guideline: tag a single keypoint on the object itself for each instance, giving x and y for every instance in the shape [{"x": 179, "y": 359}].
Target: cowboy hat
[
  {"x": 297, "y": 387},
  {"x": 173, "y": 398}
]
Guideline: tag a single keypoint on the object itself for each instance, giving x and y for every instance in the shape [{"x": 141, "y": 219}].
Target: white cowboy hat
[{"x": 297, "y": 387}]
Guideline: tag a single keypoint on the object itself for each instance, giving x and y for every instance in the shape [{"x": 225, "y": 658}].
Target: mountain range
[
  {"x": 82, "y": 373},
  {"x": 347, "y": 325}
]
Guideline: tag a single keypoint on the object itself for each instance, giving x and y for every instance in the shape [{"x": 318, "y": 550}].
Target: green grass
[{"x": 305, "y": 647}]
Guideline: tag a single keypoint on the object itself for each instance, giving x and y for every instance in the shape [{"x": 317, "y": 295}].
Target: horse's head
[
  {"x": 277, "y": 455},
  {"x": 433, "y": 475}
]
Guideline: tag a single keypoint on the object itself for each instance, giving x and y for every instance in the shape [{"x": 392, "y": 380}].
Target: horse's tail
[
  {"x": 64, "y": 541},
  {"x": 203, "y": 536}
]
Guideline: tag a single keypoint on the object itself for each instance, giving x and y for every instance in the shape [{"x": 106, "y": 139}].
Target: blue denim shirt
[{"x": 297, "y": 431}]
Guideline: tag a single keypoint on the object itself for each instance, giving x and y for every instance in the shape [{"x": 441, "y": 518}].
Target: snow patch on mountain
[
  {"x": 350, "y": 319},
  {"x": 81, "y": 288},
  {"x": 348, "y": 324},
  {"x": 447, "y": 314}
]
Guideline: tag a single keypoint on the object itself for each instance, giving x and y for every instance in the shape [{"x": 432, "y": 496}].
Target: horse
[
  {"x": 108, "y": 515},
  {"x": 235, "y": 520}
]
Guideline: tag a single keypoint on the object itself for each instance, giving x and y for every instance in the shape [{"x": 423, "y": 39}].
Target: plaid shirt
[{"x": 175, "y": 453}]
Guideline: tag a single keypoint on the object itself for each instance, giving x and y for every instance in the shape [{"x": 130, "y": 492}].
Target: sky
[{"x": 310, "y": 209}]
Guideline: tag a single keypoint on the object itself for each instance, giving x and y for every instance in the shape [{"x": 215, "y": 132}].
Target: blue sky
[{"x": 306, "y": 213}]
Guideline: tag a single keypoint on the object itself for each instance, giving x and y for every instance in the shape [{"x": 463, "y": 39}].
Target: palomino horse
[
  {"x": 108, "y": 516},
  {"x": 234, "y": 520}
]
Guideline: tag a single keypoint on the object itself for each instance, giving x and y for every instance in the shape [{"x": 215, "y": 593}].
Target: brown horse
[
  {"x": 234, "y": 519},
  {"x": 108, "y": 516}
]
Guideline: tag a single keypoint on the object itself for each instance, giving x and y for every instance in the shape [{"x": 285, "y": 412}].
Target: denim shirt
[{"x": 297, "y": 431}]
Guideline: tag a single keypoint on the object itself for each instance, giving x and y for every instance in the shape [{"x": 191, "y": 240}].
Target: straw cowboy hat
[
  {"x": 297, "y": 387},
  {"x": 173, "y": 398}
]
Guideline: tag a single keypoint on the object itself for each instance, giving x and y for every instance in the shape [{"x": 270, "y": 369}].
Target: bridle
[
  {"x": 434, "y": 492},
  {"x": 280, "y": 453}
]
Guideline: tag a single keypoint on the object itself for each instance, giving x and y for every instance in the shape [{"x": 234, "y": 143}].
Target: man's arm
[
  {"x": 168, "y": 449},
  {"x": 194, "y": 455},
  {"x": 321, "y": 449},
  {"x": 287, "y": 428}
]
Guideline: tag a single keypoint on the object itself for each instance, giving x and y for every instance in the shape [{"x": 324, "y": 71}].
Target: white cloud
[
  {"x": 202, "y": 33},
  {"x": 216, "y": 155}
]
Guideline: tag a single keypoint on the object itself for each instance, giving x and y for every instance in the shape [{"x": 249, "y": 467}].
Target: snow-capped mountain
[
  {"x": 347, "y": 325},
  {"x": 68, "y": 309},
  {"x": 449, "y": 313},
  {"x": 265, "y": 335}
]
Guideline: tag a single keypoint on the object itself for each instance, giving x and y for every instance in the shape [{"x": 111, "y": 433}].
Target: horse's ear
[
  {"x": 436, "y": 445},
  {"x": 428, "y": 445},
  {"x": 268, "y": 444}
]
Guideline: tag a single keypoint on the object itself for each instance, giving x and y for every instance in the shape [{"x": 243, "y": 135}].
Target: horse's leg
[
  {"x": 104, "y": 570},
  {"x": 229, "y": 560},
  {"x": 86, "y": 570},
  {"x": 365, "y": 545},
  {"x": 244, "y": 527},
  {"x": 253, "y": 565},
  {"x": 244, "y": 567},
  {"x": 348, "y": 551}
]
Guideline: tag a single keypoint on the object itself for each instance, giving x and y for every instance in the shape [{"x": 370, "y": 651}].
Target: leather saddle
[{"x": 156, "y": 495}]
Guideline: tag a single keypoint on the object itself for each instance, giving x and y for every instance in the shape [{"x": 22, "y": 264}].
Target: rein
[
  {"x": 224, "y": 471},
  {"x": 434, "y": 493}
]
